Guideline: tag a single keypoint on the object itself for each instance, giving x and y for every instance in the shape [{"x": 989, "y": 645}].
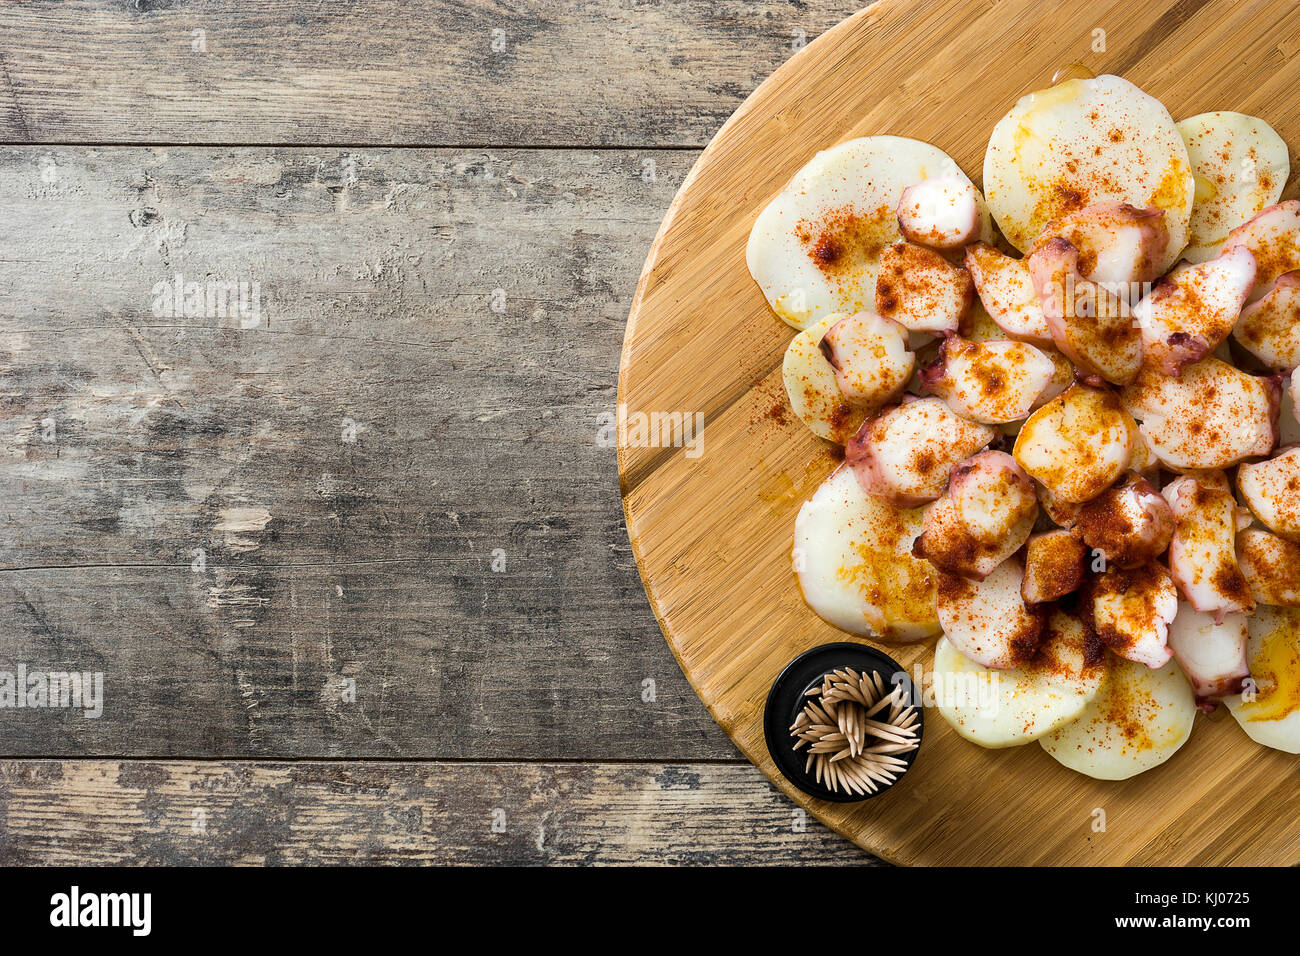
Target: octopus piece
[
  {"x": 1288, "y": 419},
  {"x": 1211, "y": 652},
  {"x": 989, "y": 382},
  {"x": 1294, "y": 394},
  {"x": 1062, "y": 513},
  {"x": 922, "y": 290},
  {"x": 988, "y": 621},
  {"x": 1273, "y": 238},
  {"x": 1062, "y": 376},
  {"x": 1203, "y": 551},
  {"x": 980, "y": 327},
  {"x": 1211, "y": 417},
  {"x": 1132, "y": 609},
  {"x": 1144, "y": 460},
  {"x": 942, "y": 213},
  {"x": 1271, "y": 489},
  {"x": 1090, "y": 325},
  {"x": 1130, "y": 523},
  {"x": 1269, "y": 328},
  {"x": 1120, "y": 246},
  {"x": 986, "y": 515},
  {"x": 1054, "y": 566},
  {"x": 870, "y": 357},
  {"x": 904, "y": 454},
  {"x": 812, "y": 388},
  {"x": 1188, "y": 313},
  {"x": 1077, "y": 444},
  {"x": 1271, "y": 566},
  {"x": 1006, "y": 290}
]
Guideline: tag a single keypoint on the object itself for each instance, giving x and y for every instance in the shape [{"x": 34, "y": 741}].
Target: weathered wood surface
[
  {"x": 129, "y": 440},
  {"x": 409, "y": 72},
  {"x": 99, "y": 812}
]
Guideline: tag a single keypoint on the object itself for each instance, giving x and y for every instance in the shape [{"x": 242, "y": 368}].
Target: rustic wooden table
[{"x": 338, "y": 524}]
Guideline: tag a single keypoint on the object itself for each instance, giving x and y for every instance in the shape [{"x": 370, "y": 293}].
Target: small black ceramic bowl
[{"x": 789, "y": 693}]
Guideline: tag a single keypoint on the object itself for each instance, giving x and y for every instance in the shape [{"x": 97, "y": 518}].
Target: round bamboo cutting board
[{"x": 711, "y": 525}]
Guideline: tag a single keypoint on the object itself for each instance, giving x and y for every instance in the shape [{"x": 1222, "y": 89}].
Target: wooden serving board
[{"x": 712, "y": 531}]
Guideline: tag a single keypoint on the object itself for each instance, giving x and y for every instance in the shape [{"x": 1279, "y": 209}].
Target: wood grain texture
[
  {"x": 91, "y": 812},
  {"x": 409, "y": 72},
  {"x": 327, "y": 560},
  {"x": 713, "y": 534}
]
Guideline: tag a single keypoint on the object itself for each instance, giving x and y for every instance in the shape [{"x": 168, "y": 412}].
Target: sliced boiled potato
[
  {"x": 853, "y": 557},
  {"x": 1137, "y": 721},
  {"x": 1240, "y": 165},
  {"x": 1270, "y": 714},
  {"x": 815, "y": 248},
  {"x": 813, "y": 389},
  {"x": 980, "y": 326},
  {"x": 1011, "y": 707},
  {"x": 1083, "y": 142}
]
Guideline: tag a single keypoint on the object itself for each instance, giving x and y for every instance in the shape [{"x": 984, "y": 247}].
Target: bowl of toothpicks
[{"x": 843, "y": 722}]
